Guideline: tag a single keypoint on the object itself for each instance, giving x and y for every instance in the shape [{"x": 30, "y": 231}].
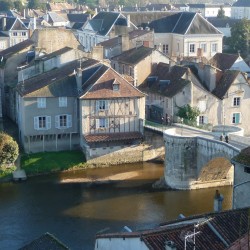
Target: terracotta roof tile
[
  {"x": 223, "y": 61},
  {"x": 126, "y": 136},
  {"x": 100, "y": 86}
]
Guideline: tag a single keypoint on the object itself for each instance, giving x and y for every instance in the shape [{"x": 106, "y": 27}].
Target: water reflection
[{"x": 75, "y": 211}]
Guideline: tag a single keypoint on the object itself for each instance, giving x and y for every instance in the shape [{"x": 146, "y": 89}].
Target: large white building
[{"x": 241, "y": 9}]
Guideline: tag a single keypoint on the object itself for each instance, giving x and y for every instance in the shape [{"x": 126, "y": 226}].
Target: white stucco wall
[{"x": 120, "y": 243}]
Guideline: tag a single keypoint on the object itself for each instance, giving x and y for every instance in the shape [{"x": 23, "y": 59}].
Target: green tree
[
  {"x": 240, "y": 34},
  {"x": 33, "y": 4},
  {"x": 18, "y": 5},
  {"x": 5, "y": 5},
  {"x": 8, "y": 149},
  {"x": 221, "y": 13},
  {"x": 188, "y": 113}
]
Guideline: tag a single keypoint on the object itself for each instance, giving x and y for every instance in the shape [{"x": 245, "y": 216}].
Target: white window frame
[
  {"x": 68, "y": 123},
  {"x": 191, "y": 48},
  {"x": 233, "y": 118},
  {"x": 101, "y": 105},
  {"x": 214, "y": 47},
  {"x": 204, "y": 47},
  {"x": 63, "y": 101},
  {"x": 41, "y": 102},
  {"x": 24, "y": 33},
  {"x": 102, "y": 123},
  {"x": 236, "y": 101},
  {"x": 165, "y": 48},
  {"x": 37, "y": 123}
]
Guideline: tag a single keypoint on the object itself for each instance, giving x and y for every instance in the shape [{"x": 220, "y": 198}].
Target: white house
[{"x": 241, "y": 9}]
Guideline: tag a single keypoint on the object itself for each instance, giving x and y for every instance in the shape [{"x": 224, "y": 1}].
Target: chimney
[
  {"x": 97, "y": 52},
  {"x": 128, "y": 21},
  {"x": 78, "y": 75},
  {"x": 3, "y": 23},
  {"x": 169, "y": 245},
  {"x": 124, "y": 38}
]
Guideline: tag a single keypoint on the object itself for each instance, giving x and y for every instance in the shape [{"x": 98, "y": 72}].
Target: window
[
  {"x": 42, "y": 122},
  {"x": 23, "y": 33},
  {"x": 191, "y": 48},
  {"x": 102, "y": 123},
  {"x": 247, "y": 170},
  {"x": 102, "y": 105},
  {"x": 63, "y": 121},
  {"x": 203, "y": 119},
  {"x": 214, "y": 47},
  {"x": 62, "y": 101},
  {"x": 204, "y": 47},
  {"x": 116, "y": 87},
  {"x": 14, "y": 33},
  {"x": 236, "y": 102},
  {"x": 236, "y": 118},
  {"x": 165, "y": 48},
  {"x": 41, "y": 102}
]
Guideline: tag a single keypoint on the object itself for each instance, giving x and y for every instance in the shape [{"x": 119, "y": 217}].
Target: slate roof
[
  {"x": 242, "y": 3},
  {"x": 126, "y": 136},
  {"x": 183, "y": 23},
  {"x": 216, "y": 231},
  {"x": 225, "y": 82},
  {"x": 54, "y": 54},
  {"x": 222, "y": 22},
  {"x": 132, "y": 35},
  {"x": 13, "y": 23},
  {"x": 100, "y": 85},
  {"x": 54, "y": 83},
  {"x": 46, "y": 241},
  {"x": 54, "y": 17},
  {"x": 223, "y": 61},
  {"x": 177, "y": 80},
  {"x": 133, "y": 56},
  {"x": 16, "y": 48},
  {"x": 196, "y": 5},
  {"x": 78, "y": 18},
  {"x": 242, "y": 243},
  {"x": 103, "y": 22}
]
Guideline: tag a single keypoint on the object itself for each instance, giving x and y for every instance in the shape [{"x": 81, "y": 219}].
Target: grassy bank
[{"x": 47, "y": 162}]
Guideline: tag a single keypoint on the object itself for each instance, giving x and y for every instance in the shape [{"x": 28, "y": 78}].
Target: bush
[{"x": 8, "y": 149}]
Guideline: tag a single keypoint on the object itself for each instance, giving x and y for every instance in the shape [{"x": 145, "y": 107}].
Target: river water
[{"x": 75, "y": 211}]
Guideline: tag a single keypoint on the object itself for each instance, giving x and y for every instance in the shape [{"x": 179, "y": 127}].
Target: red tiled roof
[
  {"x": 100, "y": 85},
  {"x": 242, "y": 243},
  {"x": 113, "y": 137}
]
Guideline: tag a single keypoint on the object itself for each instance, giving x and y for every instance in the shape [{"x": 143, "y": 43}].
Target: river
[{"x": 74, "y": 211}]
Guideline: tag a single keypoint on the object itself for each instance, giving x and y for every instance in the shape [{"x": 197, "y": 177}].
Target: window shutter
[
  {"x": 69, "y": 121},
  {"x": 237, "y": 118},
  {"x": 106, "y": 123},
  {"x": 57, "y": 124},
  {"x": 198, "y": 120},
  {"x": 48, "y": 122},
  {"x": 106, "y": 104},
  {"x": 36, "y": 122},
  {"x": 205, "y": 120},
  {"x": 97, "y": 106},
  {"x": 97, "y": 123}
]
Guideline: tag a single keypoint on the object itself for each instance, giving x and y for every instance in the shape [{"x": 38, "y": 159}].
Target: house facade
[
  {"x": 112, "y": 112},
  {"x": 241, "y": 9},
  {"x": 14, "y": 29},
  {"x": 138, "y": 63},
  {"x": 186, "y": 34},
  {"x": 103, "y": 26}
]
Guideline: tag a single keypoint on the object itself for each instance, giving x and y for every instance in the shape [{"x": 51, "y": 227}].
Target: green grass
[{"x": 47, "y": 162}]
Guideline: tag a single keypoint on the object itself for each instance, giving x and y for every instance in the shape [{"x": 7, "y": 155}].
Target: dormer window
[{"x": 116, "y": 86}]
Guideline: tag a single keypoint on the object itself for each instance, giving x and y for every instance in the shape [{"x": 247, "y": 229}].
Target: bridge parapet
[{"x": 185, "y": 155}]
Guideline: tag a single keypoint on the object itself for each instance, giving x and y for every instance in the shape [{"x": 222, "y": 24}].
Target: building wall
[
  {"x": 240, "y": 12},
  {"x": 32, "y": 139},
  {"x": 238, "y": 89},
  {"x": 17, "y": 36},
  {"x": 126, "y": 243},
  {"x": 241, "y": 195}
]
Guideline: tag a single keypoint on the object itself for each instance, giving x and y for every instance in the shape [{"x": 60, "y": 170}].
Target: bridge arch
[{"x": 185, "y": 156}]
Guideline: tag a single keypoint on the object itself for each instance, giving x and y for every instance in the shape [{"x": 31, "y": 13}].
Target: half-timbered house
[{"x": 112, "y": 112}]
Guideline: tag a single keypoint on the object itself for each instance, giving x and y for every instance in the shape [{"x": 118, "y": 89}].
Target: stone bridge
[{"x": 187, "y": 152}]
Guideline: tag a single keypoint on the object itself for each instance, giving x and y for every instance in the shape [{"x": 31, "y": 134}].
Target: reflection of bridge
[{"x": 187, "y": 150}]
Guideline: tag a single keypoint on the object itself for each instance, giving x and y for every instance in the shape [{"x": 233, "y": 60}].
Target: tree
[
  {"x": 188, "y": 113},
  {"x": 221, "y": 13},
  {"x": 5, "y": 5},
  {"x": 240, "y": 34},
  {"x": 8, "y": 149},
  {"x": 18, "y": 5},
  {"x": 33, "y": 4}
]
